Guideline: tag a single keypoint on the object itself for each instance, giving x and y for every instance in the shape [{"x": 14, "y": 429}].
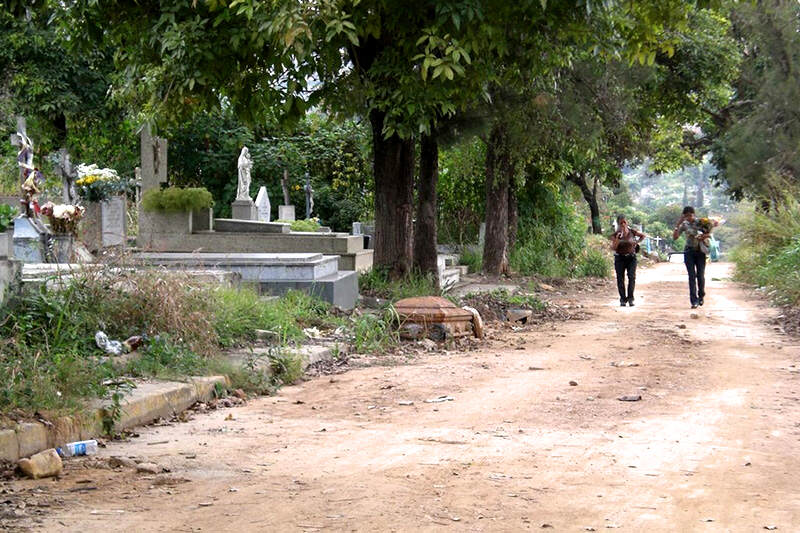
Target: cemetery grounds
[{"x": 524, "y": 432}]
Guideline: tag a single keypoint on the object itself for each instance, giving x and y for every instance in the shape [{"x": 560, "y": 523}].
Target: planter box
[
  {"x": 104, "y": 224},
  {"x": 7, "y": 244}
]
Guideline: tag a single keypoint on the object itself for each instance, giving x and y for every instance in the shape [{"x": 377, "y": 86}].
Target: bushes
[
  {"x": 377, "y": 283},
  {"x": 175, "y": 199},
  {"x": 769, "y": 252},
  {"x": 309, "y": 224}
]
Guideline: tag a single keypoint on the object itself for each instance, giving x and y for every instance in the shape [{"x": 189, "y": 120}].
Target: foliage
[
  {"x": 769, "y": 253},
  {"x": 176, "y": 199},
  {"x": 460, "y": 191},
  {"x": 595, "y": 260},
  {"x": 374, "y": 332},
  {"x": 472, "y": 258},
  {"x": 7, "y": 215},
  {"x": 378, "y": 283},
  {"x": 550, "y": 242},
  {"x": 309, "y": 224},
  {"x": 754, "y": 136}
]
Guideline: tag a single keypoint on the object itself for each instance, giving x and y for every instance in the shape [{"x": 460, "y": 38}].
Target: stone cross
[
  {"x": 154, "y": 160},
  {"x": 21, "y": 140},
  {"x": 262, "y": 204}
]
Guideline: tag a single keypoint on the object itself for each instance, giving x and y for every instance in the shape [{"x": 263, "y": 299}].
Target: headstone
[
  {"x": 262, "y": 205},
  {"x": 286, "y": 212},
  {"x": 356, "y": 228},
  {"x": 30, "y": 239},
  {"x": 112, "y": 216}
]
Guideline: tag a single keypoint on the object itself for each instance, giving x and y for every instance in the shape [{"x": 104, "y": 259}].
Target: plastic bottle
[{"x": 83, "y": 447}]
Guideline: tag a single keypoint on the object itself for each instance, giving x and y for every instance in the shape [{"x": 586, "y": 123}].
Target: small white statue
[
  {"x": 245, "y": 164},
  {"x": 263, "y": 205}
]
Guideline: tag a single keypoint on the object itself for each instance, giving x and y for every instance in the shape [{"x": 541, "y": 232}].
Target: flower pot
[
  {"x": 7, "y": 244},
  {"x": 61, "y": 248}
]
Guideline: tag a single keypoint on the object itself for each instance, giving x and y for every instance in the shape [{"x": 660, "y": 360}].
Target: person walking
[
  {"x": 694, "y": 256},
  {"x": 624, "y": 242}
]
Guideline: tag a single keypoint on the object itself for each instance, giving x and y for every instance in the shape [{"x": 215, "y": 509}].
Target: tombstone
[
  {"x": 357, "y": 228},
  {"x": 105, "y": 223},
  {"x": 286, "y": 212},
  {"x": 30, "y": 240},
  {"x": 262, "y": 205}
]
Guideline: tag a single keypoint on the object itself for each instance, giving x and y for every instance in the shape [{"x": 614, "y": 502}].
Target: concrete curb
[{"x": 147, "y": 402}]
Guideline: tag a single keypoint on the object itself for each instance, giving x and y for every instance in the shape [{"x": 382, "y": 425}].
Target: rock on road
[{"x": 713, "y": 445}]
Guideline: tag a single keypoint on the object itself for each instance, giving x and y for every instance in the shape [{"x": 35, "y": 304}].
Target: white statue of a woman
[{"x": 245, "y": 164}]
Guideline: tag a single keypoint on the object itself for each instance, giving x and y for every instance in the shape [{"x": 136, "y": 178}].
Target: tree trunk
[
  {"x": 393, "y": 166},
  {"x": 590, "y": 195},
  {"x": 513, "y": 216},
  {"x": 498, "y": 171},
  {"x": 425, "y": 235},
  {"x": 699, "y": 182}
]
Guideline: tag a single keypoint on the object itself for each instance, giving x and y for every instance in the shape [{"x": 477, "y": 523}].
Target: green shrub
[
  {"x": 309, "y": 224},
  {"x": 594, "y": 264},
  {"x": 7, "y": 214},
  {"x": 176, "y": 199}
]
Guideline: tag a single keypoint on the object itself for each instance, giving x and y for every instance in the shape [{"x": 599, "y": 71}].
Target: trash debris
[
  {"x": 312, "y": 333},
  {"x": 771, "y": 528},
  {"x": 428, "y": 344},
  {"x": 573, "y": 383},
  {"x": 623, "y": 364},
  {"x": 536, "y": 368},
  {"x": 42, "y": 464},
  {"x": 133, "y": 343},
  {"x": 405, "y": 402},
  {"x": 107, "y": 345},
  {"x": 586, "y": 357},
  {"x": 83, "y": 447},
  {"x": 440, "y": 399},
  {"x": 630, "y": 398},
  {"x": 681, "y": 326}
]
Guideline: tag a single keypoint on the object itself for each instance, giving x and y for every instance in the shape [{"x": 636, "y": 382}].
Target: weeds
[
  {"x": 49, "y": 360},
  {"x": 375, "y": 332},
  {"x": 473, "y": 259},
  {"x": 378, "y": 283}
]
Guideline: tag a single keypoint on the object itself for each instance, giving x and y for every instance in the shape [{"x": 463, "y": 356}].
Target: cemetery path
[{"x": 713, "y": 445}]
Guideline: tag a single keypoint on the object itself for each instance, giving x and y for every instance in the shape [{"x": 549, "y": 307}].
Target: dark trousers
[
  {"x": 623, "y": 263},
  {"x": 695, "y": 262}
]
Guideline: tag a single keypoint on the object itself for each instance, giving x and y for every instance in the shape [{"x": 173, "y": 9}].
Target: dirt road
[{"x": 713, "y": 445}]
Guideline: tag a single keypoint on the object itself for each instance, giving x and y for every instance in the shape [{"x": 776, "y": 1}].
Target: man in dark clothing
[
  {"x": 693, "y": 256},
  {"x": 624, "y": 242}
]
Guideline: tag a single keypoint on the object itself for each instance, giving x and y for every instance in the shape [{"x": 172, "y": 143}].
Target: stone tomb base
[{"x": 275, "y": 273}]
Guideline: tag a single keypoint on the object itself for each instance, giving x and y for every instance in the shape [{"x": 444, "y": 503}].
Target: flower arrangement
[
  {"x": 706, "y": 225},
  {"x": 96, "y": 184},
  {"x": 63, "y": 218}
]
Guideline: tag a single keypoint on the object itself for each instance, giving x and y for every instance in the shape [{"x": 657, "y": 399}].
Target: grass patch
[
  {"x": 377, "y": 283},
  {"x": 375, "y": 332}
]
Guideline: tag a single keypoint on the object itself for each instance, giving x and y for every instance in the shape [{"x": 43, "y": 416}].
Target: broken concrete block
[{"x": 42, "y": 464}]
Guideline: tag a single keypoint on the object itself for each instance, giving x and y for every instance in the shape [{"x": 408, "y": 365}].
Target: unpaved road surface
[{"x": 713, "y": 445}]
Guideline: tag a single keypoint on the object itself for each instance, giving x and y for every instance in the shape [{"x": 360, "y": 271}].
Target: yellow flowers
[
  {"x": 92, "y": 178},
  {"x": 296, "y": 187}
]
